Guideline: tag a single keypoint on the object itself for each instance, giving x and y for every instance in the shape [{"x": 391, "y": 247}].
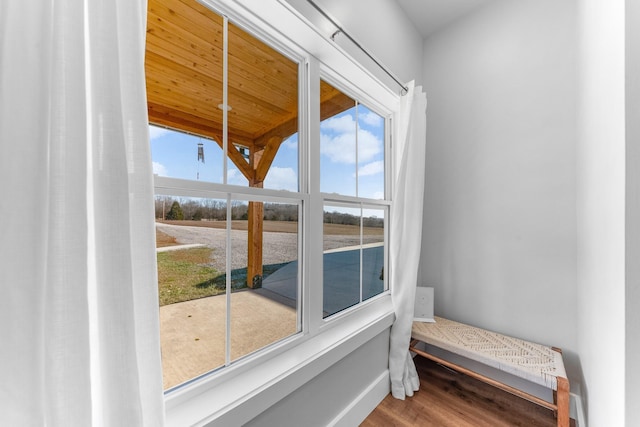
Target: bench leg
[{"x": 562, "y": 397}]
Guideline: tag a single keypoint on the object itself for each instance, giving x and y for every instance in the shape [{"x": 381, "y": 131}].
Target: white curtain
[
  {"x": 406, "y": 235},
  {"x": 79, "y": 334}
]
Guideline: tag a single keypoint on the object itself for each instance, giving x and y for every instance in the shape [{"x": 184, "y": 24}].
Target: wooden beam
[
  {"x": 237, "y": 159},
  {"x": 335, "y": 104},
  {"x": 163, "y": 116},
  {"x": 254, "y": 241},
  {"x": 181, "y": 120},
  {"x": 266, "y": 158},
  {"x": 240, "y": 162},
  {"x": 283, "y": 131},
  {"x": 260, "y": 162}
]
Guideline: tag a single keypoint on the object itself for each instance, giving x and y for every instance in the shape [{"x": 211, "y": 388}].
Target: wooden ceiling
[{"x": 184, "y": 76}]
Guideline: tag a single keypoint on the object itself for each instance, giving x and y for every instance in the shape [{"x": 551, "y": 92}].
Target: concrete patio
[{"x": 193, "y": 332}]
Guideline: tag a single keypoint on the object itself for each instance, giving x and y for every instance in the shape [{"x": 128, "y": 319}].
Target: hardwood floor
[{"x": 447, "y": 398}]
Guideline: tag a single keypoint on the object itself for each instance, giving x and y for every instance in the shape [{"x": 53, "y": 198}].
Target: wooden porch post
[
  {"x": 254, "y": 242},
  {"x": 260, "y": 160}
]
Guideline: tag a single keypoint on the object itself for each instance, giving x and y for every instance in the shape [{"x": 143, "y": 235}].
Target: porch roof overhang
[{"x": 184, "y": 78}]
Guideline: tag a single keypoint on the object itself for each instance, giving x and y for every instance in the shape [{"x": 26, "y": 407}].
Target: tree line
[
  {"x": 216, "y": 210},
  {"x": 336, "y": 217},
  {"x": 169, "y": 208}
]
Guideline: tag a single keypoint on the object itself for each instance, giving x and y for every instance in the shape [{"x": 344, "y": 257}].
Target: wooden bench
[{"x": 537, "y": 363}]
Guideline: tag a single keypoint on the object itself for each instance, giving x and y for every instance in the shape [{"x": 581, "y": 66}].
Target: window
[
  {"x": 352, "y": 179},
  {"x": 233, "y": 194},
  {"x": 224, "y": 112}
]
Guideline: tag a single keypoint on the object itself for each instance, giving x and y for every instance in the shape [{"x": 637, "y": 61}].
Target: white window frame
[
  {"x": 330, "y": 77},
  {"x": 236, "y": 394},
  {"x": 175, "y": 187}
]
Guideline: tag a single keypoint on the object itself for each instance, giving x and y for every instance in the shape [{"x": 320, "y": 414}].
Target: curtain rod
[{"x": 341, "y": 30}]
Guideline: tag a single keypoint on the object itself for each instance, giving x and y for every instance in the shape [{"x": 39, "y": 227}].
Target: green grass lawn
[
  {"x": 182, "y": 275},
  {"x": 187, "y": 274}
]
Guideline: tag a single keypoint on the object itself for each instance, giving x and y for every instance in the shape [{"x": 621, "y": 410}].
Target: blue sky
[
  {"x": 176, "y": 155},
  {"x": 338, "y": 153}
]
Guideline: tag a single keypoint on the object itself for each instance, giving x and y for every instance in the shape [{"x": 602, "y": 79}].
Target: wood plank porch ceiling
[{"x": 183, "y": 63}]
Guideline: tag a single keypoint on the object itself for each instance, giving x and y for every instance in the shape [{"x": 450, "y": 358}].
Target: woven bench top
[{"x": 534, "y": 362}]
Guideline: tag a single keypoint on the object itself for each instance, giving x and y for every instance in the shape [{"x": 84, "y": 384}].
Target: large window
[
  {"x": 224, "y": 112},
  {"x": 233, "y": 192}
]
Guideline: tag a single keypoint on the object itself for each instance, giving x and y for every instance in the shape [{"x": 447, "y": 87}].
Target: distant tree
[
  {"x": 175, "y": 213},
  {"x": 373, "y": 222},
  {"x": 239, "y": 210},
  {"x": 197, "y": 215},
  {"x": 280, "y": 212},
  {"x": 158, "y": 208},
  {"x": 163, "y": 203}
]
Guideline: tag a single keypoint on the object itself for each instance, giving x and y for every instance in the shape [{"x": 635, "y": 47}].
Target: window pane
[
  {"x": 341, "y": 259},
  {"x": 283, "y": 173},
  {"x": 351, "y": 145},
  {"x": 373, "y": 279},
  {"x": 370, "y": 154},
  {"x": 191, "y": 264},
  {"x": 251, "y": 301},
  {"x": 262, "y": 114},
  {"x": 337, "y": 141},
  {"x": 183, "y": 68},
  {"x": 264, "y": 275},
  {"x": 180, "y": 155}
]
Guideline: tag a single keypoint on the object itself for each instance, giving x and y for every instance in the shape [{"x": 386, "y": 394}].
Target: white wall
[
  {"x": 321, "y": 401},
  {"x": 601, "y": 210},
  {"x": 381, "y": 27},
  {"x": 499, "y": 244},
  {"x": 632, "y": 297}
]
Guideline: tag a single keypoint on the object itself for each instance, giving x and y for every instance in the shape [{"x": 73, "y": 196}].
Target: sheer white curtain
[
  {"x": 406, "y": 232},
  {"x": 79, "y": 341}
]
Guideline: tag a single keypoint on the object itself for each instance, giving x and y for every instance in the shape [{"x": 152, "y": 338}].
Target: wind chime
[{"x": 200, "y": 158}]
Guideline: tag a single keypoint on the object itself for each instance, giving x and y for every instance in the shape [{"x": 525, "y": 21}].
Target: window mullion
[
  {"x": 228, "y": 284},
  {"x": 357, "y": 163},
  {"x": 314, "y": 232},
  {"x": 225, "y": 97},
  {"x": 361, "y": 245}
]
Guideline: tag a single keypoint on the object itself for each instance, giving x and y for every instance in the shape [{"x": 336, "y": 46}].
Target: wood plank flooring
[{"x": 447, "y": 398}]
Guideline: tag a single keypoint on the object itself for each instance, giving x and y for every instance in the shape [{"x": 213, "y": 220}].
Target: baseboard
[
  {"x": 364, "y": 404},
  {"x": 371, "y": 397},
  {"x": 577, "y": 410}
]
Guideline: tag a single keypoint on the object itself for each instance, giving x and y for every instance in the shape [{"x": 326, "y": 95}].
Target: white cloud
[
  {"x": 340, "y": 148},
  {"x": 372, "y": 119},
  {"x": 291, "y": 142},
  {"x": 157, "y": 132},
  {"x": 369, "y": 146},
  {"x": 372, "y": 168},
  {"x": 234, "y": 177},
  {"x": 281, "y": 179},
  {"x": 159, "y": 169},
  {"x": 340, "y": 124},
  {"x": 378, "y": 195}
]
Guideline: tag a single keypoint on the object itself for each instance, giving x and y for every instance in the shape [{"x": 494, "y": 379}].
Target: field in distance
[{"x": 281, "y": 227}]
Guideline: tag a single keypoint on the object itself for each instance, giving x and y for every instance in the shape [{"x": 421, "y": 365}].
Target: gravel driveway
[{"x": 277, "y": 247}]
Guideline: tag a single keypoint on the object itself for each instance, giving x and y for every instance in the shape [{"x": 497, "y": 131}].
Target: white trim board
[
  {"x": 356, "y": 412},
  {"x": 240, "y": 399}
]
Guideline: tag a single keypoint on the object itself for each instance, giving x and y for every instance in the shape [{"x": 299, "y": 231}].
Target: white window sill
[{"x": 235, "y": 398}]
